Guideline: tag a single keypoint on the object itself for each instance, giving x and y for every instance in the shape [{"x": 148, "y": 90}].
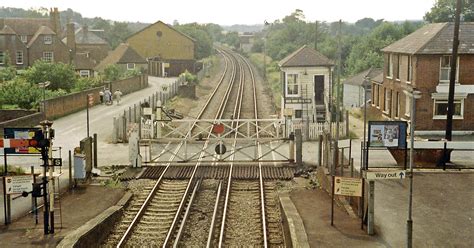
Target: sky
[{"x": 225, "y": 12}]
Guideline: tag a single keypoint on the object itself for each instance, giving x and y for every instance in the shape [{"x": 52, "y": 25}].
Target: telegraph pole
[{"x": 452, "y": 80}]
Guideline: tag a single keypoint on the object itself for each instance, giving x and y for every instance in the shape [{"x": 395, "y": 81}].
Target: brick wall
[
  {"x": 71, "y": 103},
  {"x": 24, "y": 121},
  {"x": 6, "y": 115}
]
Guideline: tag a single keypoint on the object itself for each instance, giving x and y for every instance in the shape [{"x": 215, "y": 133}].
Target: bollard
[
  {"x": 70, "y": 169},
  {"x": 299, "y": 147},
  {"x": 292, "y": 148},
  {"x": 320, "y": 150}
]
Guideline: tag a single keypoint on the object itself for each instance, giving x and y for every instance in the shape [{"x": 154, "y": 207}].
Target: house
[
  {"x": 354, "y": 87},
  {"x": 84, "y": 65},
  {"x": 26, "y": 40},
  {"x": 125, "y": 57},
  {"x": 87, "y": 42},
  {"x": 421, "y": 61},
  {"x": 165, "y": 47},
  {"x": 306, "y": 76}
]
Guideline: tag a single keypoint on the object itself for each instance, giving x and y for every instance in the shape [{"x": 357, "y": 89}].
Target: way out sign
[
  {"x": 380, "y": 175},
  {"x": 348, "y": 186},
  {"x": 18, "y": 184}
]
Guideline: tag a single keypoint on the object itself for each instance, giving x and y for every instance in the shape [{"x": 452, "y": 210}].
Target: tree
[
  {"x": 444, "y": 11},
  {"x": 8, "y": 72},
  {"x": 200, "y": 34},
  {"x": 20, "y": 92},
  {"x": 61, "y": 76},
  {"x": 112, "y": 73}
]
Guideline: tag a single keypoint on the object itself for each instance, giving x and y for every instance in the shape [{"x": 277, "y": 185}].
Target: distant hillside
[{"x": 243, "y": 28}]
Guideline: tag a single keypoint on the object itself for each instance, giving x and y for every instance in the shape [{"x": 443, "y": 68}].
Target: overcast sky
[{"x": 227, "y": 12}]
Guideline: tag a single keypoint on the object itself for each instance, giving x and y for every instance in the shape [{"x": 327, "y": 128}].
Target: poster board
[{"x": 387, "y": 134}]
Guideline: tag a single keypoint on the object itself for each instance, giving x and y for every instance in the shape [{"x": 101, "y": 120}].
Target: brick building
[{"x": 421, "y": 61}]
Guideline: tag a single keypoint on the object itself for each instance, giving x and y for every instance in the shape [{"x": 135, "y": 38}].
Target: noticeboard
[
  {"x": 20, "y": 133},
  {"x": 18, "y": 184},
  {"x": 348, "y": 186},
  {"x": 387, "y": 134}
]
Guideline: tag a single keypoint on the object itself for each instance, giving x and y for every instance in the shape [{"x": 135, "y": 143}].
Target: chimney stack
[
  {"x": 71, "y": 40},
  {"x": 55, "y": 21}
]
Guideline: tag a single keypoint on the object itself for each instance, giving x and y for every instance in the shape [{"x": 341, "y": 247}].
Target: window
[
  {"x": 388, "y": 102},
  {"x": 24, "y": 38},
  {"x": 2, "y": 57},
  {"x": 292, "y": 88},
  {"x": 407, "y": 105},
  {"x": 397, "y": 71},
  {"x": 445, "y": 68},
  {"x": 48, "y": 39},
  {"x": 390, "y": 66},
  {"x": 409, "y": 70},
  {"x": 19, "y": 57},
  {"x": 84, "y": 73},
  {"x": 48, "y": 56},
  {"x": 397, "y": 104},
  {"x": 130, "y": 66},
  {"x": 441, "y": 109},
  {"x": 299, "y": 114}
]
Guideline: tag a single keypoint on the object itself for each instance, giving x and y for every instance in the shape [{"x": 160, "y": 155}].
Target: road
[{"x": 71, "y": 129}]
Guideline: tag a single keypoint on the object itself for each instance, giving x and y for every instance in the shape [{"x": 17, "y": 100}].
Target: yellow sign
[{"x": 348, "y": 186}]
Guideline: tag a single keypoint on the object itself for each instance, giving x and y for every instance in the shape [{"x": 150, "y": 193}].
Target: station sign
[
  {"x": 18, "y": 184},
  {"x": 387, "y": 134},
  {"x": 383, "y": 175},
  {"x": 348, "y": 186}
]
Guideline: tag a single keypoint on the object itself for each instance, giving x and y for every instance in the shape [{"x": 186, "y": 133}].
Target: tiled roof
[
  {"x": 166, "y": 25},
  {"x": 82, "y": 62},
  {"x": 122, "y": 54},
  {"x": 88, "y": 37},
  {"x": 436, "y": 38},
  {"x": 304, "y": 57},
  {"x": 7, "y": 30},
  {"x": 27, "y": 26},
  {"x": 43, "y": 30},
  {"x": 358, "y": 79}
]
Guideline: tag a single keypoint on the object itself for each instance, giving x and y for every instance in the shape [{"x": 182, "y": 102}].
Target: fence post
[
  {"x": 70, "y": 169},
  {"x": 320, "y": 150},
  {"x": 347, "y": 123}
]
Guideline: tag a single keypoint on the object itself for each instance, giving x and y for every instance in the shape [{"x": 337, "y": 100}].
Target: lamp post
[{"x": 414, "y": 94}]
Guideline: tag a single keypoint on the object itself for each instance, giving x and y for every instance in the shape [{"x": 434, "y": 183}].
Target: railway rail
[{"x": 201, "y": 205}]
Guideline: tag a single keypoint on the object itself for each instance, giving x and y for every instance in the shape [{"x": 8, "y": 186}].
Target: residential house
[
  {"x": 87, "y": 42},
  {"x": 356, "y": 86},
  {"x": 46, "y": 45},
  {"x": 421, "y": 61},
  {"x": 306, "y": 76},
  {"x": 84, "y": 65},
  {"x": 166, "y": 47},
  {"x": 125, "y": 57}
]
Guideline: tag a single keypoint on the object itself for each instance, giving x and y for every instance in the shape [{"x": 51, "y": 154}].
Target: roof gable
[
  {"x": 27, "y": 26},
  {"x": 43, "y": 30},
  {"x": 7, "y": 30},
  {"x": 305, "y": 57},
  {"x": 161, "y": 24},
  {"x": 122, "y": 54},
  {"x": 358, "y": 79}
]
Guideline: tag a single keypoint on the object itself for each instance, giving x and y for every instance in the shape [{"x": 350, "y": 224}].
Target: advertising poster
[{"x": 387, "y": 134}]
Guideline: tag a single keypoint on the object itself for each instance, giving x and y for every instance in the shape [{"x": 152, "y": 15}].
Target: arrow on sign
[{"x": 402, "y": 175}]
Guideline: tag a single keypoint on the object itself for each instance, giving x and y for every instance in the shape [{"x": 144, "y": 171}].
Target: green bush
[
  {"x": 189, "y": 77},
  {"x": 61, "y": 76},
  {"x": 20, "y": 92}
]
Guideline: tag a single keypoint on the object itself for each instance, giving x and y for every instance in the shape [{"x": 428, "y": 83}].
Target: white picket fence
[{"x": 312, "y": 130}]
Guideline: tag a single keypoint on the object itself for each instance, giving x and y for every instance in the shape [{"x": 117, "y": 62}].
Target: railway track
[{"x": 188, "y": 208}]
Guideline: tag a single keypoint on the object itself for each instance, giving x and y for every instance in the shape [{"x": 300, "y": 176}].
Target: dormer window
[
  {"x": 48, "y": 39},
  {"x": 24, "y": 38}
]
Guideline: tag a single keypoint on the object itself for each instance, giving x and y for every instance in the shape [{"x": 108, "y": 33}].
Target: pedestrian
[
  {"x": 101, "y": 96},
  {"x": 117, "y": 95},
  {"x": 108, "y": 96}
]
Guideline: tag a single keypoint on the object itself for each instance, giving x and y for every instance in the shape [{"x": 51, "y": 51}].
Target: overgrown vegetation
[{"x": 11, "y": 169}]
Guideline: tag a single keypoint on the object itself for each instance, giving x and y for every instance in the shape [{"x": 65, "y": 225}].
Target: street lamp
[
  {"x": 44, "y": 85},
  {"x": 414, "y": 94}
]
